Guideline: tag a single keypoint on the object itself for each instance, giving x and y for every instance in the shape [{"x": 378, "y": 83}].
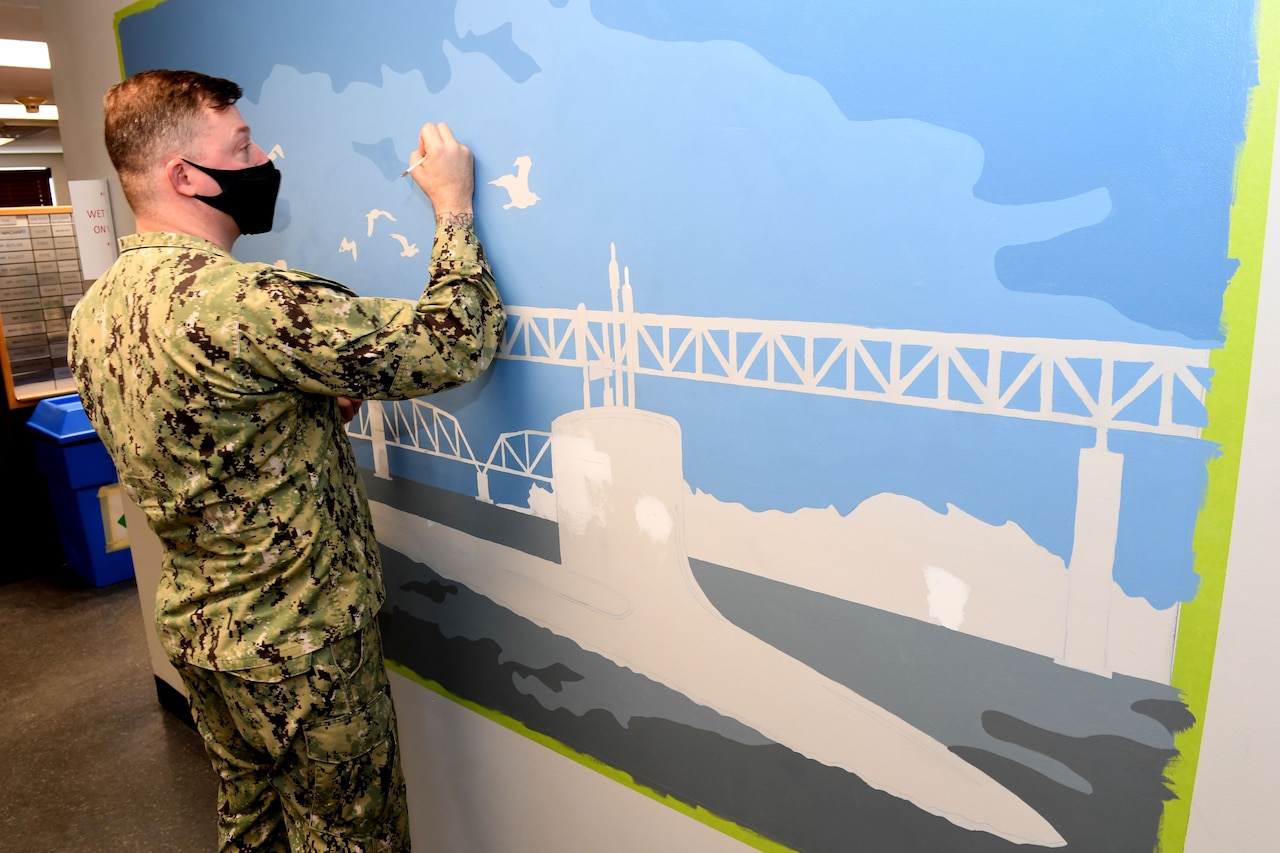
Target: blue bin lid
[{"x": 62, "y": 419}]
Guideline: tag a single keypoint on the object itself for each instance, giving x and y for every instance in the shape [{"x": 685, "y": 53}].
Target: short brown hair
[{"x": 153, "y": 113}]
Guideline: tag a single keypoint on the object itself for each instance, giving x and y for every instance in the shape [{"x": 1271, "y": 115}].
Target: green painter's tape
[
  {"x": 1198, "y": 622},
  {"x": 131, "y": 9}
]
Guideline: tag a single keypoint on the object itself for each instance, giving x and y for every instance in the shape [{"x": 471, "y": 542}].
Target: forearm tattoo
[{"x": 458, "y": 220}]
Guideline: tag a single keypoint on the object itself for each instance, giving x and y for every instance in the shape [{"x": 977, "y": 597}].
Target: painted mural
[{"x": 841, "y": 471}]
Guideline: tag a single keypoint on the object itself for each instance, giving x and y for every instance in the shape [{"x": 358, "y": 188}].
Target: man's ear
[{"x": 182, "y": 177}]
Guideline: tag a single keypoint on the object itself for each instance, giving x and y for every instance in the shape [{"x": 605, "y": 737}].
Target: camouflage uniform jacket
[{"x": 214, "y": 385}]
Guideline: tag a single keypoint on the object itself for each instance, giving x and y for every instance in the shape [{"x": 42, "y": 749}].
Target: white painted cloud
[
  {"x": 583, "y": 474},
  {"x": 654, "y": 519},
  {"x": 542, "y": 502},
  {"x": 948, "y": 596}
]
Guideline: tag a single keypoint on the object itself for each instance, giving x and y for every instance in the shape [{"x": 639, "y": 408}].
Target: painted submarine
[{"x": 624, "y": 589}]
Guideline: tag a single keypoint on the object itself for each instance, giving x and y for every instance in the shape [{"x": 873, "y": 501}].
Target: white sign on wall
[{"x": 95, "y": 233}]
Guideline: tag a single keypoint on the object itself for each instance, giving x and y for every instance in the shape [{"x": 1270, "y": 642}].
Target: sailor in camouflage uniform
[{"x": 220, "y": 389}]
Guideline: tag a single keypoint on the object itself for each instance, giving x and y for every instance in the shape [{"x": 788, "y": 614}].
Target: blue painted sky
[
  {"x": 1144, "y": 97},
  {"x": 1047, "y": 169}
]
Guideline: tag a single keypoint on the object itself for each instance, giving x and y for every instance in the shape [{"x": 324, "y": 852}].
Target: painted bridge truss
[
  {"x": 1103, "y": 385},
  {"x": 1100, "y": 384}
]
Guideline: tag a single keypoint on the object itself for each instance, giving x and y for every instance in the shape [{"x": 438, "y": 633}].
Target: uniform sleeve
[{"x": 321, "y": 338}]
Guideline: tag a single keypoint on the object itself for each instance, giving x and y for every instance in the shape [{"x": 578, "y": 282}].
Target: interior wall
[
  {"x": 1231, "y": 803},
  {"x": 82, "y": 50}
]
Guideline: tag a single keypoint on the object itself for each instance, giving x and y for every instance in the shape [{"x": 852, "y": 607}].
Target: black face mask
[{"x": 248, "y": 195}]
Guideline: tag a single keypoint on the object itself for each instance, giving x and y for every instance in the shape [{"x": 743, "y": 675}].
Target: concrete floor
[{"x": 89, "y": 759}]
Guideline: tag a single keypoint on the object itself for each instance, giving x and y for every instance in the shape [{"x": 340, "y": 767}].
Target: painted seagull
[
  {"x": 517, "y": 185},
  {"x": 409, "y": 249},
  {"x": 375, "y": 214}
]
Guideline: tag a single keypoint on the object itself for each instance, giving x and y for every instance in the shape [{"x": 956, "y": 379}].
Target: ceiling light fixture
[
  {"x": 15, "y": 53},
  {"x": 8, "y": 133},
  {"x": 17, "y": 112},
  {"x": 31, "y": 102}
]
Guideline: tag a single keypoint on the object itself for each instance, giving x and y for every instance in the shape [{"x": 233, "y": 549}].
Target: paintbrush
[{"x": 415, "y": 165}]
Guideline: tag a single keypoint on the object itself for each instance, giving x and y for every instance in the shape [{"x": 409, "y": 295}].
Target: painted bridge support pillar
[
  {"x": 378, "y": 438},
  {"x": 1093, "y": 555}
]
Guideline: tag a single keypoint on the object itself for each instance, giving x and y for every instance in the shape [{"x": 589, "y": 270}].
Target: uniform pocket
[
  {"x": 350, "y": 759},
  {"x": 274, "y": 673}
]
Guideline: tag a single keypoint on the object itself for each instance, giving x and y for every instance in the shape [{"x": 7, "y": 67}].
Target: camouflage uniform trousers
[{"x": 305, "y": 751}]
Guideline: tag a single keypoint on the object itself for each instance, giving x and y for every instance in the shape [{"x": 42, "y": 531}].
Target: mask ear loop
[{"x": 179, "y": 178}]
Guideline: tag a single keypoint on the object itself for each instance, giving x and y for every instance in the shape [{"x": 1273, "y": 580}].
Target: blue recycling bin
[{"x": 84, "y": 490}]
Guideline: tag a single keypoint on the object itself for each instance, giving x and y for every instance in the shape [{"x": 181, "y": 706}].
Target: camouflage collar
[{"x": 171, "y": 240}]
